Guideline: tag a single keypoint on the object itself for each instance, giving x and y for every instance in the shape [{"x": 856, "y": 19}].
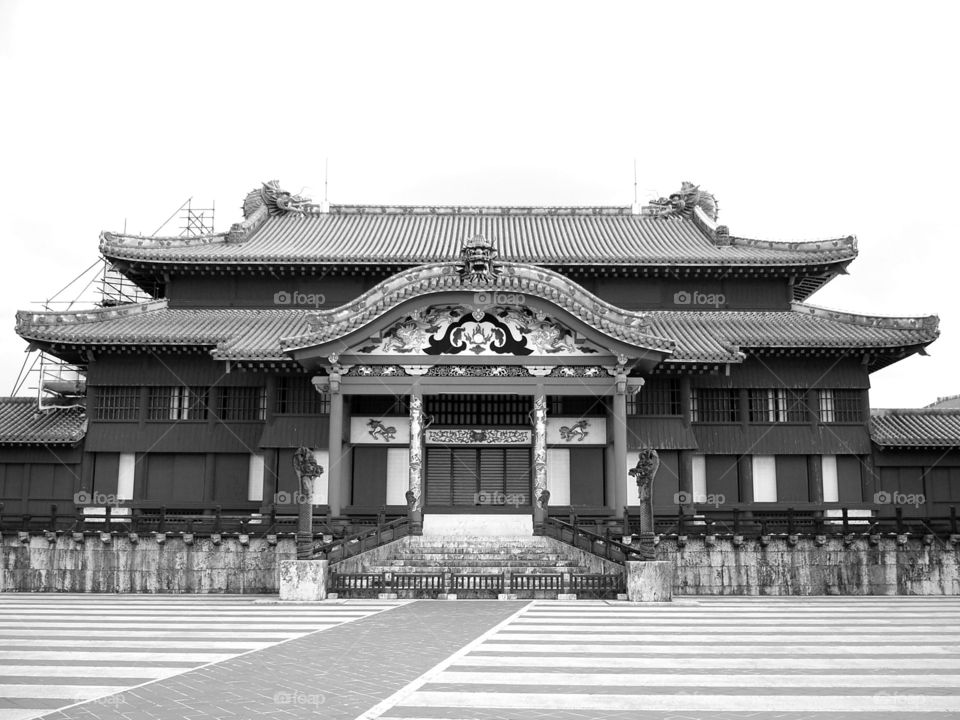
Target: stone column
[
  {"x": 540, "y": 501},
  {"x": 415, "y": 491},
  {"x": 307, "y": 470}
]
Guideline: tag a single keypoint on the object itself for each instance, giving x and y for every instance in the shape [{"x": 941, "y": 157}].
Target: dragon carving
[
  {"x": 683, "y": 202},
  {"x": 279, "y": 201}
]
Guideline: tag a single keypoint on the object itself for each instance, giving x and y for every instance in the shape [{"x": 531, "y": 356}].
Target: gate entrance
[
  {"x": 494, "y": 478},
  {"x": 463, "y": 468}
]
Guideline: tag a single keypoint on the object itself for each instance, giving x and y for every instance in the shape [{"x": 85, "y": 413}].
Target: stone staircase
[{"x": 476, "y": 567}]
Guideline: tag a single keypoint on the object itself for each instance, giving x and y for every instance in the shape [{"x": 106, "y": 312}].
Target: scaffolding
[
  {"x": 59, "y": 384},
  {"x": 196, "y": 221}
]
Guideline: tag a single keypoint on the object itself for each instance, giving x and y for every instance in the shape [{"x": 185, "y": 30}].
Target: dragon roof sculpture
[
  {"x": 690, "y": 196},
  {"x": 277, "y": 200}
]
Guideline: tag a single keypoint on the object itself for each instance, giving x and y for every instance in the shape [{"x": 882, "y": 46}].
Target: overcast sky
[{"x": 819, "y": 121}]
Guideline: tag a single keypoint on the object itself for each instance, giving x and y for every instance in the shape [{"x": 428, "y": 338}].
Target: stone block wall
[
  {"x": 892, "y": 566},
  {"x": 147, "y": 566},
  {"x": 889, "y": 567}
]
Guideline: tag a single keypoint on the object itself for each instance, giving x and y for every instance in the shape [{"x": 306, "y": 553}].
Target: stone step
[
  {"x": 482, "y": 563},
  {"x": 478, "y": 570},
  {"x": 480, "y": 555}
]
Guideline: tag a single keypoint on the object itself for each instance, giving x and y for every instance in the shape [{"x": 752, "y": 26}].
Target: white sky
[{"x": 820, "y": 120}]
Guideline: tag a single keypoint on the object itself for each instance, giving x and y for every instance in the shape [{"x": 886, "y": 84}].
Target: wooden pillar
[
  {"x": 745, "y": 478},
  {"x": 869, "y": 484},
  {"x": 815, "y": 478},
  {"x": 685, "y": 479},
  {"x": 685, "y": 391},
  {"x": 620, "y": 451},
  {"x": 335, "y": 452}
]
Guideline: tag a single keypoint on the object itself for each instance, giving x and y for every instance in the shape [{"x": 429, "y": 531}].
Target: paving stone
[{"x": 332, "y": 674}]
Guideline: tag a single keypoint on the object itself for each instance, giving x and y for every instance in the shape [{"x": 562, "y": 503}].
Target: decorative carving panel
[
  {"x": 576, "y": 431},
  {"x": 460, "y": 330},
  {"x": 380, "y": 430},
  {"x": 484, "y": 436}
]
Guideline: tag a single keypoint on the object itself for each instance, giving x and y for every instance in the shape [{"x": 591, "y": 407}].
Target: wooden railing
[
  {"x": 199, "y": 519},
  {"x": 345, "y": 547},
  {"x": 591, "y": 542},
  {"x": 805, "y": 519}
]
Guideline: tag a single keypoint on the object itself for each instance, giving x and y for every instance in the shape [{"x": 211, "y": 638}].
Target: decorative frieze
[
  {"x": 378, "y": 371},
  {"x": 483, "y": 436},
  {"x": 478, "y": 371}
]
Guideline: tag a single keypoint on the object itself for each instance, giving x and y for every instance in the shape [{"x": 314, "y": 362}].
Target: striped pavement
[
  {"x": 761, "y": 658},
  {"x": 59, "y": 650}
]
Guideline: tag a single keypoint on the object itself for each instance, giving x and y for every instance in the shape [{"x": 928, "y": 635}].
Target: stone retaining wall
[
  {"x": 882, "y": 566},
  {"x": 147, "y": 566},
  {"x": 890, "y": 566}
]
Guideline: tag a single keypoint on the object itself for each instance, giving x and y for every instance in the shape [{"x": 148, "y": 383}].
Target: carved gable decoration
[
  {"x": 476, "y": 260},
  {"x": 460, "y": 330}
]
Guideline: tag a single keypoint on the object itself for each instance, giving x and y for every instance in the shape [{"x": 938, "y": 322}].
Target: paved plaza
[{"x": 196, "y": 658}]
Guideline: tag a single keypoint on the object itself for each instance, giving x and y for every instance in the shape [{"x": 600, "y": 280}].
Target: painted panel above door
[
  {"x": 369, "y": 430},
  {"x": 576, "y": 431}
]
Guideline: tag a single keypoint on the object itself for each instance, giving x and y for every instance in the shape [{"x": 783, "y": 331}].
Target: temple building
[{"x": 464, "y": 360}]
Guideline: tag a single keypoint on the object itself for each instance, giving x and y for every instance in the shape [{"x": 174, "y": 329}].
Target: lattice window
[
  {"x": 714, "y": 405},
  {"x": 659, "y": 397},
  {"x": 177, "y": 403},
  {"x": 841, "y": 405},
  {"x": 296, "y": 395},
  {"x": 489, "y": 410},
  {"x": 242, "y": 403},
  {"x": 780, "y": 405},
  {"x": 380, "y": 405},
  {"x": 576, "y": 405},
  {"x": 118, "y": 403}
]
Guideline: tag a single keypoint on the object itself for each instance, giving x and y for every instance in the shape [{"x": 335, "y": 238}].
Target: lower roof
[
  {"x": 916, "y": 427},
  {"x": 240, "y": 334},
  {"x": 22, "y": 422}
]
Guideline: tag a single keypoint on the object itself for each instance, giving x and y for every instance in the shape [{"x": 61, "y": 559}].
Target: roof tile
[
  {"x": 916, "y": 427},
  {"x": 23, "y": 423},
  {"x": 407, "y": 235}
]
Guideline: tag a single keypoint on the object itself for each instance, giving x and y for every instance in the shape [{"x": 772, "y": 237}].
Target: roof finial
[
  {"x": 636, "y": 205},
  {"x": 326, "y": 176}
]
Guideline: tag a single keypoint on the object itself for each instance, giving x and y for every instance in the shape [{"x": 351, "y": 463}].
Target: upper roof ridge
[
  {"x": 73, "y": 317},
  {"x": 899, "y": 322}
]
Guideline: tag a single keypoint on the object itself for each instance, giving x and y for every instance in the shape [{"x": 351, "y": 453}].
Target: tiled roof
[
  {"x": 373, "y": 235},
  {"x": 22, "y": 423},
  {"x": 718, "y": 335},
  {"x": 950, "y": 401},
  {"x": 916, "y": 427},
  {"x": 699, "y": 336}
]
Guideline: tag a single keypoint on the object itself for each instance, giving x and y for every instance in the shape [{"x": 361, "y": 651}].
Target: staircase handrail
[
  {"x": 628, "y": 551},
  {"x": 322, "y": 550}
]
